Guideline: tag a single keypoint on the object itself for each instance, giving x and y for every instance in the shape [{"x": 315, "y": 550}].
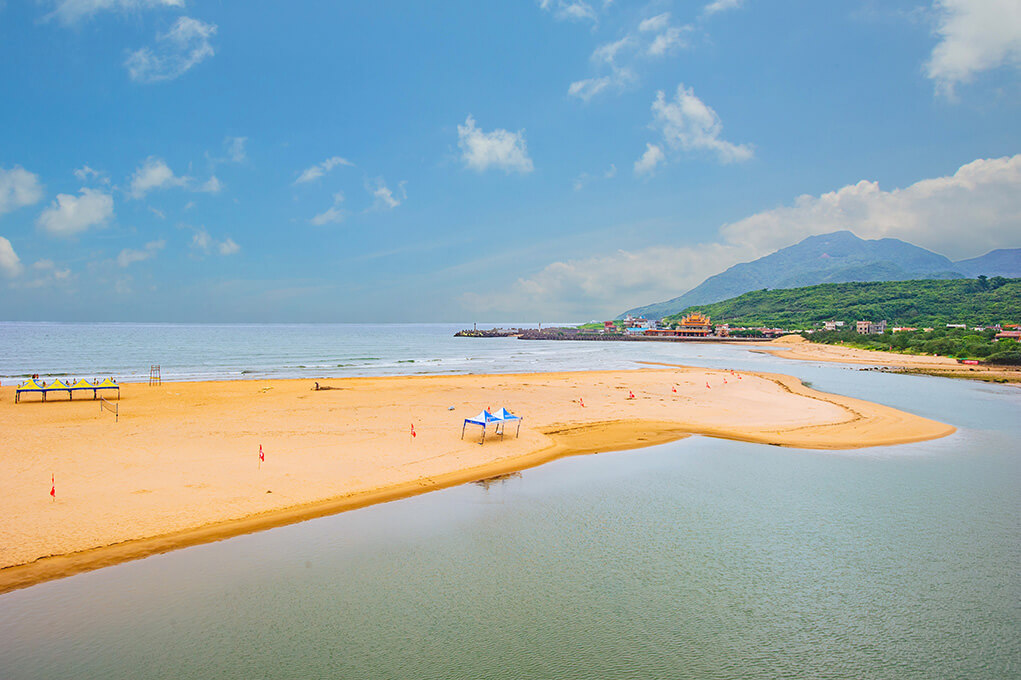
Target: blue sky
[{"x": 184, "y": 160}]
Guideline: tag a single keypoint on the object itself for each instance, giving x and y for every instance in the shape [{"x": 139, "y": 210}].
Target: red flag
[
  {"x": 707, "y": 386},
  {"x": 262, "y": 456},
  {"x": 53, "y": 487},
  {"x": 413, "y": 433},
  {"x": 581, "y": 401},
  {"x": 630, "y": 394},
  {"x": 674, "y": 388}
]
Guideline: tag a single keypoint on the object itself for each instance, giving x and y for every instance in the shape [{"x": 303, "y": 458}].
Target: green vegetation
[
  {"x": 976, "y": 302},
  {"x": 960, "y": 343}
]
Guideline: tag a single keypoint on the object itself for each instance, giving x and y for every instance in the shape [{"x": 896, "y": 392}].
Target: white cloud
[
  {"x": 154, "y": 173},
  {"x": 228, "y": 247},
  {"x": 653, "y": 37},
  {"x": 497, "y": 149},
  {"x": 158, "y": 213},
  {"x": 129, "y": 256},
  {"x": 975, "y": 36},
  {"x": 185, "y": 45},
  {"x": 334, "y": 214},
  {"x": 18, "y": 188},
  {"x": 669, "y": 40},
  {"x": 10, "y": 263},
  {"x": 211, "y": 186},
  {"x": 69, "y": 215},
  {"x": 966, "y": 214},
  {"x": 72, "y": 11},
  {"x": 384, "y": 197},
  {"x": 721, "y": 6},
  {"x": 317, "y": 171},
  {"x": 570, "y": 10},
  {"x": 962, "y": 215},
  {"x": 87, "y": 174},
  {"x": 688, "y": 124},
  {"x": 652, "y": 157},
  {"x": 204, "y": 243},
  {"x": 236, "y": 148}
]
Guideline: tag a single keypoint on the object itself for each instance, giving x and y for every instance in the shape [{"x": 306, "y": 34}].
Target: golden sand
[{"x": 181, "y": 466}]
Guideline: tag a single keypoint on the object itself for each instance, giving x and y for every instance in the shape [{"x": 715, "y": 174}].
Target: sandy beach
[
  {"x": 181, "y": 466},
  {"x": 798, "y": 348}
]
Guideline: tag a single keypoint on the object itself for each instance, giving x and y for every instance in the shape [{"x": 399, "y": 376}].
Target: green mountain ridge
[
  {"x": 835, "y": 258},
  {"x": 929, "y": 302}
]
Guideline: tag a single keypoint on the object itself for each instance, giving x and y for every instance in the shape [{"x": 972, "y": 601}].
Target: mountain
[
  {"x": 915, "y": 303},
  {"x": 830, "y": 258},
  {"x": 1003, "y": 262}
]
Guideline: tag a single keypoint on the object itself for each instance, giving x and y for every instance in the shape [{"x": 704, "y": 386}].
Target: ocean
[{"x": 701, "y": 558}]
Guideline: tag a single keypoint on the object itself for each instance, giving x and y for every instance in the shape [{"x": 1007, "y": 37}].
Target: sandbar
[{"x": 180, "y": 466}]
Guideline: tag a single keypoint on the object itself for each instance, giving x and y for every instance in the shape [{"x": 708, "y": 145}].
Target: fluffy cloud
[
  {"x": 317, "y": 171},
  {"x": 18, "y": 188},
  {"x": 688, "y": 124},
  {"x": 334, "y": 214},
  {"x": 968, "y": 213},
  {"x": 569, "y": 10},
  {"x": 69, "y": 215},
  {"x": 129, "y": 256},
  {"x": 497, "y": 149},
  {"x": 211, "y": 185},
  {"x": 236, "y": 148},
  {"x": 72, "y": 11},
  {"x": 652, "y": 157},
  {"x": 384, "y": 198},
  {"x": 10, "y": 263},
  {"x": 185, "y": 45},
  {"x": 655, "y": 36},
  {"x": 87, "y": 174},
  {"x": 202, "y": 242},
  {"x": 975, "y": 36},
  {"x": 154, "y": 173},
  {"x": 721, "y": 6}
]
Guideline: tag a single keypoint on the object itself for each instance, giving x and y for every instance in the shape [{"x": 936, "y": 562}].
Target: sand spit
[{"x": 181, "y": 466}]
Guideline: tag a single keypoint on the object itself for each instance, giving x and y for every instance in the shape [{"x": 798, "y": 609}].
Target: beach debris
[
  {"x": 450, "y": 408},
  {"x": 674, "y": 388},
  {"x": 262, "y": 457},
  {"x": 53, "y": 487},
  {"x": 581, "y": 401},
  {"x": 707, "y": 385},
  {"x": 413, "y": 433},
  {"x": 630, "y": 394}
]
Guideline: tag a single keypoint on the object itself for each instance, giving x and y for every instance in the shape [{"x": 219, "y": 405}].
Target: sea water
[{"x": 702, "y": 558}]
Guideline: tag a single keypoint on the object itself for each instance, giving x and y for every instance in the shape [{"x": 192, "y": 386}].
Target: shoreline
[
  {"x": 797, "y": 348},
  {"x": 206, "y": 494}
]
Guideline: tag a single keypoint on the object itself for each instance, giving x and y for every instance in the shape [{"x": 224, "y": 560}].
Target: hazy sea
[{"x": 701, "y": 558}]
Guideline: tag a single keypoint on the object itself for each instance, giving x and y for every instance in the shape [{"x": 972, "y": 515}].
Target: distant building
[
  {"x": 1012, "y": 335},
  {"x": 869, "y": 328},
  {"x": 832, "y": 325},
  {"x": 957, "y": 325},
  {"x": 695, "y": 325}
]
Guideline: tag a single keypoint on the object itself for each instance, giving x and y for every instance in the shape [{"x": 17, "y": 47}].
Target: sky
[{"x": 529, "y": 160}]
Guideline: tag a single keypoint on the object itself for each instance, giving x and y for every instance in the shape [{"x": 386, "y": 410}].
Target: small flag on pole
[
  {"x": 53, "y": 487},
  {"x": 674, "y": 388},
  {"x": 413, "y": 433},
  {"x": 630, "y": 394},
  {"x": 581, "y": 401},
  {"x": 707, "y": 386}
]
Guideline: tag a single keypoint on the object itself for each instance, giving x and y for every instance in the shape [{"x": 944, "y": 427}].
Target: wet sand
[{"x": 181, "y": 466}]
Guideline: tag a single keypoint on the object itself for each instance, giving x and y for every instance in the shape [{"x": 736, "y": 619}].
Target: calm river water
[{"x": 697, "y": 559}]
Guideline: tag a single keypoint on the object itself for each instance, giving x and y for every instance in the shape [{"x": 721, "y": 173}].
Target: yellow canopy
[
  {"x": 82, "y": 384},
  {"x": 30, "y": 385},
  {"x": 107, "y": 383},
  {"x": 56, "y": 385}
]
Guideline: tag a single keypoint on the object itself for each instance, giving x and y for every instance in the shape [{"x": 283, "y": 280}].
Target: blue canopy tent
[
  {"x": 483, "y": 419},
  {"x": 504, "y": 416}
]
